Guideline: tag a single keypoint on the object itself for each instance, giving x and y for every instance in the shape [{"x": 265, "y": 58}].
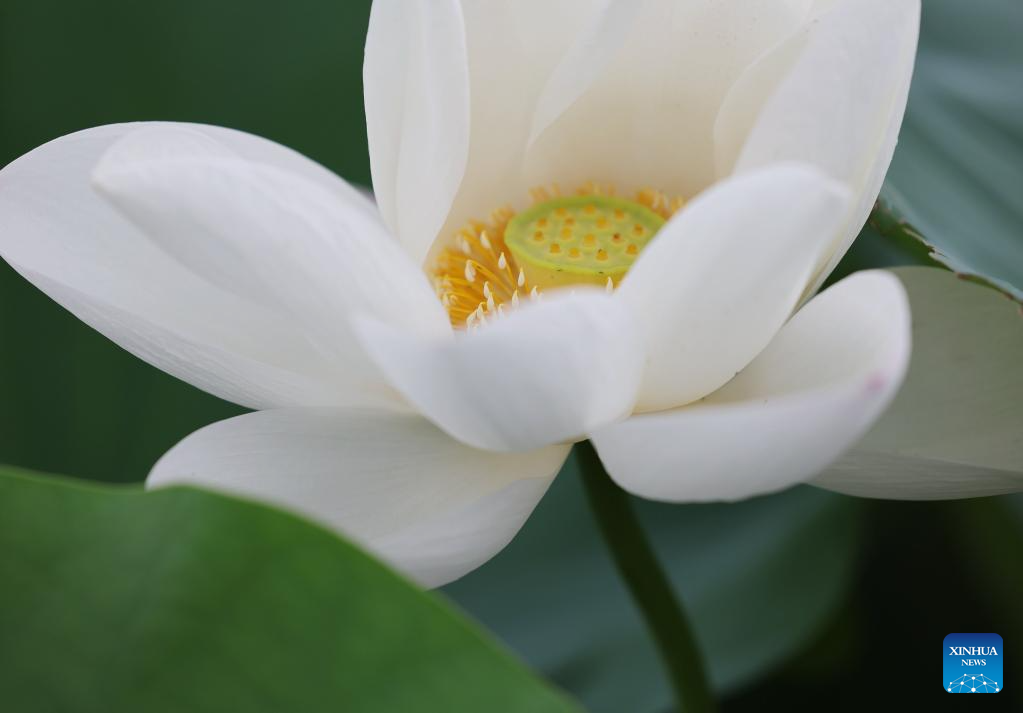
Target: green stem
[{"x": 637, "y": 564}]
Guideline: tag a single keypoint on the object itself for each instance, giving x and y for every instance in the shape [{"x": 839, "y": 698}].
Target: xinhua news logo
[{"x": 972, "y": 663}]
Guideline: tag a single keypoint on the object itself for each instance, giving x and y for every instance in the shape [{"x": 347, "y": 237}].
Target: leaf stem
[{"x": 638, "y": 566}]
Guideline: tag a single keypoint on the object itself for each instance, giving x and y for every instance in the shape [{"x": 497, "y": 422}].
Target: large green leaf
[
  {"x": 958, "y": 170},
  {"x": 119, "y": 601},
  {"x": 760, "y": 579}
]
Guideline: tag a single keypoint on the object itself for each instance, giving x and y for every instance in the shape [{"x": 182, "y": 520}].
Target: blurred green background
[{"x": 796, "y": 596}]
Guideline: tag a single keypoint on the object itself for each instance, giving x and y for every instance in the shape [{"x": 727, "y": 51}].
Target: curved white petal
[
  {"x": 604, "y": 33},
  {"x": 807, "y": 398},
  {"x": 274, "y": 236},
  {"x": 230, "y": 369},
  {"x": 513, "y": 48},
  {"x": 431, "y": 507},
  {"x": 57, "y": 232},
  {"x": 841, "y": 104},
  {"x": 722, "y": 276},
  {"x": 956, "y": 428},
  {"x": 546, "y": 373},
  {"x": 746, "y": 98},
  {"x": 635, "y": 98},
  {"x": 416, "y": 81}
]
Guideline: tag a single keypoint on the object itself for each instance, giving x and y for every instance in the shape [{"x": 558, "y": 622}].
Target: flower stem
[{"x": 637, "y": 564}]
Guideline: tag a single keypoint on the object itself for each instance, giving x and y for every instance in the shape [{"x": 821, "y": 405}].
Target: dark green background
[{"x": 70, "y": 402}]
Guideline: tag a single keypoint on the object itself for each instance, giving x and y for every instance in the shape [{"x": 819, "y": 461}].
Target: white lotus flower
[{"x": 420, "y": 370}]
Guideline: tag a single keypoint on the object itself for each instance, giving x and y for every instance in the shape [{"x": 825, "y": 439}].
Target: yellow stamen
[{"x": 490, "y": 266}]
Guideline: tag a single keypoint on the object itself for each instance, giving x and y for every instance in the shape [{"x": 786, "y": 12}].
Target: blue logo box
[{"x": 972, "y": 663}]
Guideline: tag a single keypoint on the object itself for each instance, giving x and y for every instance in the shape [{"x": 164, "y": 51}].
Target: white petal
[
  {"x": 429, "y": 506},
  {"x": 602, "y": 37},
  {"x": 272, "y": 234},
  {"x": 513, "y": 47},
  {"x": 721, "y": 278},
  {"x": 58, "y": 233},
  {"x": 231, "y": 369},
  {"x": 635, "y": 99},
  {"x": 956, "y": 428},
  {"x": 416, "y": 81},
  {"x": 547, "y": 373},
  {"x": 841, "y": 105},
  {"x": 746, "y": 98},
  {"x": 136, "y": 172},
  {"x": 807, "y": 398}
]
